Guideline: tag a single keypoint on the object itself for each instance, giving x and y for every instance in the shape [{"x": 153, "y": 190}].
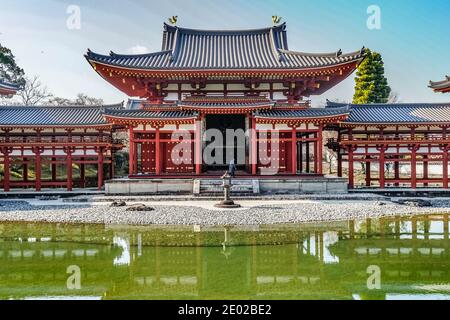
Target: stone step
[
  {"x": 214, "y": 186},
  {"x": 220, "y": 189},
  {"x": 234, "y": 182}
]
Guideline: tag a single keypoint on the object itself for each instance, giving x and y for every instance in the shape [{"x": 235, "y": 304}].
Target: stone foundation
[
  {"x": 303, "y": 186},
  {"x": 320, "y": 185}
]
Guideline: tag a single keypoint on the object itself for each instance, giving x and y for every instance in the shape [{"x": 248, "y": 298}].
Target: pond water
[{"x": 389, "y": 258}]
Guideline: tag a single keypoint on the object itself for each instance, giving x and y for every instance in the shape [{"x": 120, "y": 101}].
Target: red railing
[
  {"x": 345, "y": 139},
  {"x": 53, "y": 139}
]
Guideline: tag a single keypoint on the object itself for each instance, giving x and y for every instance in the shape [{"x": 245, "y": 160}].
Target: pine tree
[
  {"x": 371, "y": 85},
  {"x": 9, "y": 70}
]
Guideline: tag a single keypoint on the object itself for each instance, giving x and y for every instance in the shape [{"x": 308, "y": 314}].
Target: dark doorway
[{"x": 232, "y": 142}]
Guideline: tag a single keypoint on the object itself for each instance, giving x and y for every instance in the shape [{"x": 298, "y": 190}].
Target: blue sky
[{"x": 413, "y": 39}]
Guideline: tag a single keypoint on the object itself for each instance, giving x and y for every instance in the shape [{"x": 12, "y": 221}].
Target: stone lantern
[{"x": 227, "y": 202}]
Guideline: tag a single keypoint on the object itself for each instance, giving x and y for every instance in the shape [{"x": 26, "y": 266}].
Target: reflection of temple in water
[{"x": 313, "y": 262}]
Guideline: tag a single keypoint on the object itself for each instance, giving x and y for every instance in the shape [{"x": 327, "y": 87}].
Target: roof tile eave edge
[
  {"x": 73, "y": 125},
  {"x": 307, "y": 117},
  {"x": 193, "y": 117},
  {"x": 223, "y": 69},
  {"x": 424, "y": 123}
]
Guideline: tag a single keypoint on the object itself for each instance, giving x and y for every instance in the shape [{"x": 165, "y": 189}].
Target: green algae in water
[{"x": 307, "y": 261}]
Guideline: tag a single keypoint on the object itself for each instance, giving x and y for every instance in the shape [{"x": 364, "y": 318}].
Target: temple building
[
  {"x": 441, "y": 86},
  {"x": 49, "y": 147},
  {"x": 7, "y": 88},
  {"x": 383, "y": 138},
  {"x": 247, "y": 80},
  {"x": 211, "y": 99}
]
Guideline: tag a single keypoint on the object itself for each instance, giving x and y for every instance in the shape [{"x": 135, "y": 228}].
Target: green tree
[
  {"x": 9, "y": 70},
  {"x": 371, "y": 85}
]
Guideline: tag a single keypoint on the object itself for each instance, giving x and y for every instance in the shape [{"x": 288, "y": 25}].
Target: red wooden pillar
[
  {"x": 82, "y": 174},
  {"x": 53, "y": 166},
  {"x": 425, "y": 169},
  {"x": 320, "y": 150},
  {"x": 339, "y": 156},
  {"x": 350, "y": 167},
  {"x": 445, "y": 167},
  {"x": 339, "y": 164},
  {"x": 158, "y": 154},
  {"x": 381, "y": 165},
  {"x": 6, "y": 174},
  {"x": 131, "y": 150},
  {"x": 294, "y": 150},
  {"x": 316, "y": 162},
  {"x": 198, "y": 146},
  {"x": 413, "y": 150},
  {"x": 307, "y": 155},
  {"x": 254, "y": 147},
  {"x": 69, "y": 170},
  {"x": 25, "y": 169},
  {"x": 38, "y": 168},
  {"x": 368, "y": 177},
  {"x": 444, "y": 149},
  {"x": 397, "y": 172},
  {"x": 99, "y": 168},
  {"x": 111, "y": 166}
]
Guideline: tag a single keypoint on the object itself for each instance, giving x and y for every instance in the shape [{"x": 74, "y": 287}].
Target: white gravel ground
[{"x": 202, "y": 213}]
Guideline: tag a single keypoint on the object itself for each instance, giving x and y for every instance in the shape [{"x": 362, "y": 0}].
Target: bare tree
[
  {"x": 80, "y": 100},
  {"x": 84, "y": 100},
  {"x": 33, "y": 92},
  {"x": 330, "y": 156},
  {"x": 57, "y": 101}
]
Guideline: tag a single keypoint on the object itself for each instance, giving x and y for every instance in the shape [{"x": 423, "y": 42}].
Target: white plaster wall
[
  {"x": 263, "y": 126},
  {"x": 169, "y": 127},
  {"x": 279, "y": 96},
  {"x": 187, "y": 127},
  {"x": 172, "y": 86},
  {"x": 171, "y": 96},
  {"x": 236, "y": 86},
  {"x": 282, "y": 126},
  {"x": 278, "y": 86}
]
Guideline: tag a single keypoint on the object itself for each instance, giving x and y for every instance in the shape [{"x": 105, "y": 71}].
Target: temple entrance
[{"x": 225, "y": 140}]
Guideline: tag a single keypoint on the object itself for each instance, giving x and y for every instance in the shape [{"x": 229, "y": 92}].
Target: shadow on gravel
[{"x": 8, "y": 206}]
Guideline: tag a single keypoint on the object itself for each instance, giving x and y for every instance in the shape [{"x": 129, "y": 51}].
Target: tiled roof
[
  {"x": 443, "y": 86},
  {"x": 134, "y": 104},
  {"x": 206, "y": 102},
  {"x": 396, "y": 112},
  {"x": 147, "y": 114},
  {"x": 226, "y": 102},
  {"x": 240, "y": 49},
  {"x": 54, "y": 116},
  {"x": 305, "y": 113}
]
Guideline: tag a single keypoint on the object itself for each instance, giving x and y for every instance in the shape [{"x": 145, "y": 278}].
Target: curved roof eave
[{"x": 292, "y": 69}]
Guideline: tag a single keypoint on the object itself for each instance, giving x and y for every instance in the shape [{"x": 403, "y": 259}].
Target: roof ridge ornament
[
  {"x": 173, "y": 20},
  {"x": 276, "y": 20}
]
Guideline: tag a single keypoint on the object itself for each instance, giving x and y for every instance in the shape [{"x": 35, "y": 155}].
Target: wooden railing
[
  {"x": 395, "y": 140},
  {"x": 62, "y": 139}
]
